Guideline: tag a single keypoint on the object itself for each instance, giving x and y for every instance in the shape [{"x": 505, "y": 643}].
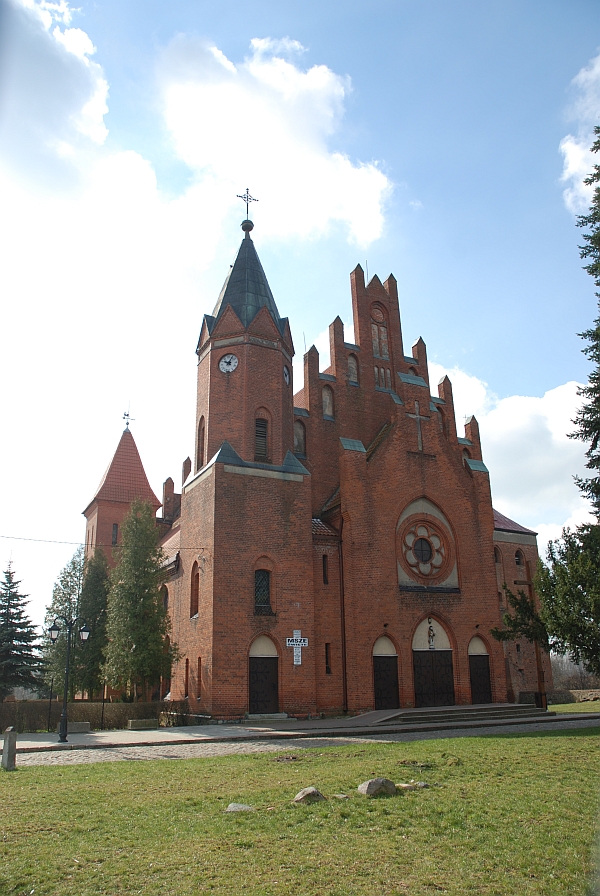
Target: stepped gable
[
  {"x": 246, "y": 288},
  {"x": 504, "y": 524},
  {"x": 125, "y": 479}
]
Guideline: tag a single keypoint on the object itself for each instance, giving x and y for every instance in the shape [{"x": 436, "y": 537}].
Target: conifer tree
[
  {"x": 66, "y": 601},
  {"x": 20, "y": 662},
  {"x": 92, "y": 608},
  {"x": 138, "y": 652},
  {"x": 587, "y": 420}
]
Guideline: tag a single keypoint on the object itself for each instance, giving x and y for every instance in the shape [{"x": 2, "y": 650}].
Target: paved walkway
[{"x": 225, "y": 740}]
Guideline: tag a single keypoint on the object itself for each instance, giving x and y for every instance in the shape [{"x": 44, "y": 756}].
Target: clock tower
[{"x": 245, "y": 350}]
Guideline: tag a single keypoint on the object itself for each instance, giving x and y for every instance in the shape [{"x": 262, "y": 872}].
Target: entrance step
[
  {"x": 454, "y": 714},
  {"x": 266, "y": 716}
]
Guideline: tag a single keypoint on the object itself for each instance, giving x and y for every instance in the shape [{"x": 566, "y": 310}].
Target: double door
[{"x": 434, "y": 677}]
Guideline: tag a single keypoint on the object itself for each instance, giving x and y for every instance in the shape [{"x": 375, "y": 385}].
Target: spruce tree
[
  {"x": 92, "y": 608},
  {"x": 587, "y": 420},
  {"x": 66, "y": 601},
  {"x": 20, "y": 662},
  {"x": 138, "y": 652}
]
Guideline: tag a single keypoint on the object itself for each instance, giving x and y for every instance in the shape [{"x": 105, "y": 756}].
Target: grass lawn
[
  {"x": 511, "y": 815},
  {"x": 588, "y": 706}
]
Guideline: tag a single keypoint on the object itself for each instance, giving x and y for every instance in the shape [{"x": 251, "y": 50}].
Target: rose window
[{"x": 424, "y": 550}]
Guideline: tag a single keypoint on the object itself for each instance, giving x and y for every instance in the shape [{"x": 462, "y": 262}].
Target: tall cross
[
  {"x": 128, "y": 419},
  {"x": 417, "y": 416},
  {"x": 247, "y": 198}
]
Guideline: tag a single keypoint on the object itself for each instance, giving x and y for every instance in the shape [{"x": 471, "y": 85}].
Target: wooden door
[
  {"x": 481, "y": 684},
  {"x": 434, "y": 677},
  {"x": 264, "y": 693},
  {"x": 385, "y": 679}
]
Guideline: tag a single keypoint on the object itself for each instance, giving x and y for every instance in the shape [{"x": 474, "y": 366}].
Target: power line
[{"x": 42, "y": 540}]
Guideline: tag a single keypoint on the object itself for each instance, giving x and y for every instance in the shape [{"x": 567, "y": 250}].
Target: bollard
[{"x": 9, "y": 750}]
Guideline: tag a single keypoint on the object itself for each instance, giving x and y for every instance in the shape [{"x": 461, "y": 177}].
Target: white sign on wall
[{"x": 297, "y": 642}]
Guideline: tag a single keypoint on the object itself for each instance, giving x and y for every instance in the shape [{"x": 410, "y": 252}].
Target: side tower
[
  {"x": 124, "y": 481},
  {"x": 244, "y": 582}
]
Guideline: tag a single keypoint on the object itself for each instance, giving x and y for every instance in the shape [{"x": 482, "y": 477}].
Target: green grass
[
  {"x": 512, "y": 814},
  {"x": 588, "y": 706}
]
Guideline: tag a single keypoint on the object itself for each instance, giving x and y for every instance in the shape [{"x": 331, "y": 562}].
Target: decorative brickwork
[{"x": 321, "y": 523}]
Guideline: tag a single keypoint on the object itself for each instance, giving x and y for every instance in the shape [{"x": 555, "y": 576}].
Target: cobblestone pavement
[
  {"x": 180, "y": 751},
  {"x": 236, "y": 747}
]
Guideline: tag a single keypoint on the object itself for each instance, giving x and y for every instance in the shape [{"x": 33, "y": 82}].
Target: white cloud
[
  {"x": 274, "y": 137},
  {"x": 527, "y": 451},
  {"x": 577, "y": 159}
]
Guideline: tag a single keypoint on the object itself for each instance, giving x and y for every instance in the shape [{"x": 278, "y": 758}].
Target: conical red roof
[{"x": 125, "y": 478}]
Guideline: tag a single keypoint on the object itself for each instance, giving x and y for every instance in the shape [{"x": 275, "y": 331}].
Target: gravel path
[{"x": 234, "y": 746}]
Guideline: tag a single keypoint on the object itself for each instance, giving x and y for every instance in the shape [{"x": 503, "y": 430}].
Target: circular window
[
  {"x": 377, "y": 314},
  {"x": 422, "y": 550}
]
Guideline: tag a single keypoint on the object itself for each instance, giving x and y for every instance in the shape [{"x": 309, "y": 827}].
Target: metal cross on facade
[
  {"x": 128, "y": 419},
  {"x": 417, "y": 416},
  {"x": 247, "y": 198}
]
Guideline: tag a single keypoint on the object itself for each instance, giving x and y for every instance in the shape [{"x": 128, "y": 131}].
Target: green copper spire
[{"x": 246, "y": 288}]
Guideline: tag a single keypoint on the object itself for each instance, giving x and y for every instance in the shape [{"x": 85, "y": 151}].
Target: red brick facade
[{"x": 351, "y": 513}]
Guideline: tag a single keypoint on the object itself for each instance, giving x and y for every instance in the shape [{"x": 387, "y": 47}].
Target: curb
[{"x": 318, "y": 733}]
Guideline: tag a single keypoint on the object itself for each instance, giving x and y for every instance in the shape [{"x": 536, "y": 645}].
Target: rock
[
  {"x": 308, "y": 795},
  {"x": 407, "y": 786},
  {"x": 377, "y": 787},
  {"x": 341, "y": 796},
  {"x": 239, "y": 807}
]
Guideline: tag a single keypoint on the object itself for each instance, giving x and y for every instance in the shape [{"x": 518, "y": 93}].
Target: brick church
[{"x": 335, "y": 549}]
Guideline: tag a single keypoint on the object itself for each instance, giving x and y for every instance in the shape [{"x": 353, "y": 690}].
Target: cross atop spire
[{"x": 247, "y": 198}]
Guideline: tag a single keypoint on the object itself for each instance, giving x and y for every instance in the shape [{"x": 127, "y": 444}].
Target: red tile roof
[
  {"x": 125, "y": 478},
  {"x": 321, "y": 528},
  {"x": 505, "y": 525}
]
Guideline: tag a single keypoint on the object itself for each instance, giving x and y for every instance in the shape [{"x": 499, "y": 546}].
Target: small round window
[{"x": 422, "y": 550}]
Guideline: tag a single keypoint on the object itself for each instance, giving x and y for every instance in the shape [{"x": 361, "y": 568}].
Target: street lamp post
[{"x": 84, "y": 634}]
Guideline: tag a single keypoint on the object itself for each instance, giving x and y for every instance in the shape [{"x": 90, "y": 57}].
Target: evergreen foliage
[
  {"x": 138, "y": 652},
  {"x": 569, "y": 588},
  {"x": 66, "y": 601},
  {"x": 92, "y": 608},
  {"x": 20, "y": 661},
  {"x": 587, "y": 420},
  {"x": 523, "y": 622}
]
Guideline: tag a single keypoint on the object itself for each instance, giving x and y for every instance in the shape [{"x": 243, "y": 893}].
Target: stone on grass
[
  {"x": 239, "y": 807},
  {"x": 414, "y": 785},
  {"x": 308, "y": 795},
  {"x": 341, "y": 796},
  {"x": 377, "y": 787}
]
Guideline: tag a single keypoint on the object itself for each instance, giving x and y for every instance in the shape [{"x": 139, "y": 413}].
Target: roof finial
[
  {"x": 247, "y": 225},
  {"x": 128, "y": 419}
]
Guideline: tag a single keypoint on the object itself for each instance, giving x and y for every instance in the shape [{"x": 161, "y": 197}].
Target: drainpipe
[{"x": 343, "y": 620}]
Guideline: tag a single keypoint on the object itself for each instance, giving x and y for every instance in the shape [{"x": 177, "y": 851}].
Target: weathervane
[
  {"x": 127, "y": 418},
  {"x": 247, "y": 198}
]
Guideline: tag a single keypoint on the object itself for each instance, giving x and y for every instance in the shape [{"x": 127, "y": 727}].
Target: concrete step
[{"x": 456, "y": 714}]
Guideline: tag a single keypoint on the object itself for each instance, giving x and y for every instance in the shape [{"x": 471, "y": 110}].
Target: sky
[{"x": 445, "y": 142}]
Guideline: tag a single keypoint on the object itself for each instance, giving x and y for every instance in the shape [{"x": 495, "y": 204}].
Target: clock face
[
  {"x": 228, "y": 363},
  {"x": 286, "y": 375}
]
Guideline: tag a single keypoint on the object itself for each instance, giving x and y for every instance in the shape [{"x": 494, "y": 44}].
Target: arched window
[
  {"x": 352, "y": 369},
  {"x": 519, "y": 558},
  {"x": 195, "y": 590},
  {"x": 299, "y": 438},
  {"x": 376, "y": 372},
  {"x": 262, "y": 593},
  {"x": 261, "y": 439},
  {"x": 328, "y": 402},
  {"x": 200, "y": 446},
  {"x": 165, "y": 597},
  {"x": 496, "y": 555},
  {"x": 388, "y": 379},
  {"x": 412, "y": 371},
  {"x": 465, "y": 456},
  {"x": 379, "y": 333},
  {"x": 186, "y": 683},
  {"x": 442, "y": 422}
]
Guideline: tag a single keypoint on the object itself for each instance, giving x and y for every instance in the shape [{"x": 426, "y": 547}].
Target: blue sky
[{"x": 442, "y": 141}]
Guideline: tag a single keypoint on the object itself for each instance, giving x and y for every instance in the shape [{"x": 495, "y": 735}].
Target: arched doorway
[
  {"x": 263, "y": 677},
  {"x": 385, "y": 674},
  {"x": 432, "y": 665},
  {"x": 479, "y": 670}
]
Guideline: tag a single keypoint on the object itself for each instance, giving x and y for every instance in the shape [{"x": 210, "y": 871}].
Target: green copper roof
[{"x": 246, "y": 288}]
